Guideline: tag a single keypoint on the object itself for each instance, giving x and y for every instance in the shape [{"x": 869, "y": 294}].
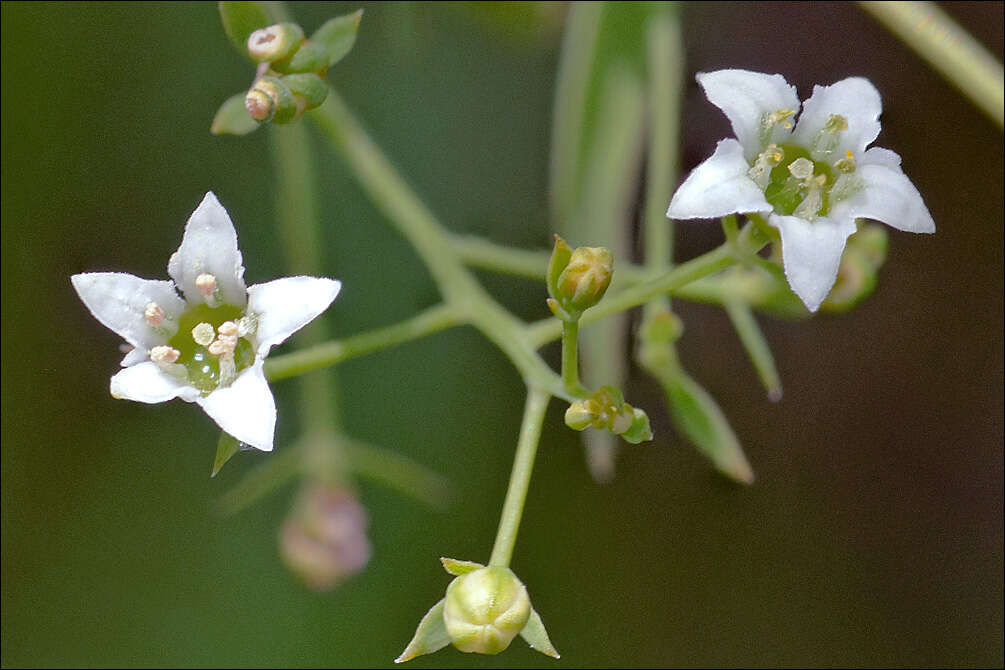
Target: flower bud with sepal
[
  {"x": 859, "y": 270},
  {"x": 271, "y": 100},
  {"x": 484, "y": 609},
  {"x": 577, "y": 280},
  {"x": 275, "y": 42},
  {"x": 309, "y": 90}
]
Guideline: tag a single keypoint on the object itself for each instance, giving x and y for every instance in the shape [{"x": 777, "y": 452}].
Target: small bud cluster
[
  {"x": 606, "y": 409},
  {"x": 577, "y": 280},
  {"x": 291, "y": 75}
]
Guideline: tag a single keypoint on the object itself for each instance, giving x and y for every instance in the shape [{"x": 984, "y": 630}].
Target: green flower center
[
  {"x": 786, "y": 192},
  {"x": 202, "y": 366}
]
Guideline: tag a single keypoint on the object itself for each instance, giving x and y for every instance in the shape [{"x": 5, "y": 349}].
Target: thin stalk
[
  {"x": 950, "y": 49},
  {"x": 519, "y": 480},
  {"x": 570, "y": 358}
]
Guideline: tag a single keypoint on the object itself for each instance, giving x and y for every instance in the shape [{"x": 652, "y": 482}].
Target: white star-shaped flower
[
  {"x": 207, "y": 345},
  {"x": 812, "y": 178}
]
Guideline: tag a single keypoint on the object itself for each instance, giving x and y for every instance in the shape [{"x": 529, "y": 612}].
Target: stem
[
  {"x": 570, "y": 358},
  {"x": 950, "y": 49},
  {"x": 424, "y": 323},
  {"x": 519, "y": 480}
]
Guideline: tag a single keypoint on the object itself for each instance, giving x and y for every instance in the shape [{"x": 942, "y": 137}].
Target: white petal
[
  {"x": 880, "y": 156},
  {"x": 119, "y": 300},
  {"x": 745, "y": 97},
  {"x": 284, "y": 306},
  {"x": 209, "y": 246},
  {"x": 887, "y": 195},
  {"x": 854, "y": 98},
  {"x": 718, "y": 187},
  {"x": 245, "y": 409},
  {"x": 811, "y": 254},
  {"x": 145, "y": 382},
  {"x": 135, "y": 356}
]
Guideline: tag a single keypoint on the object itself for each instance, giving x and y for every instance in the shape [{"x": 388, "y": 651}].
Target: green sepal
[
  {"x": 457, "y": 567},
  {"x": 309, "y": 57},
  {"x": 337, "y": 36},
  {"x": 698, "y": 416},
  {"x": 226, "y": 447},
  {"x": 232, "y": 118},
  {"x": 560, "y": 257},
  {"x": 430, "y": 636},
  {"x": 536, "y": 636},
  {"x": 310, "y": 88},
  {"x": 640, "y": 430},
  {"x": 240, "y": 19}
]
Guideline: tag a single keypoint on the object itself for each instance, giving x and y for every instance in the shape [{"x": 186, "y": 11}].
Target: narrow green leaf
[
  {"x": 338, "y": 35},
  {"x": 698, "y": 416},
  {"x": 457, "y": 567},
  {"x": 240, "y": 19},
  {"x": 225, "y": 449},
  {"x": 430, "y": 636},
  {"x": 232, "y": 118},
  {"x": 537, "y": 637},
  {"x": 756, "y": 346}
]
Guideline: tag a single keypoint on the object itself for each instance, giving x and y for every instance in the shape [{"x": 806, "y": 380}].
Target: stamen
[
  {"x": 206, "y": 283},
  {"x": 846, "y": 164},
  {"x": 836, "y": 124},
  {"x": 814, "y": 199},
  {"x": 760, "y": 172},
  {"x": 769, "y": 121},
  {"x": 203, "y": 334},
  {"x": 827, "y": 139},
  {"x": 164, "y": 354},
  {"x": 154, "y": 314},
  {"x": 227, "y": 340}
]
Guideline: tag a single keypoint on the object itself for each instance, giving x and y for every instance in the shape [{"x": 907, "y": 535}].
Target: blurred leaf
[
  {"x": 756, "y": 346},
  {"x": 698, "y": 416},
  {"x": 225, "y": 449},
  {"x": 536, "y": 636},
  {"x": 232, "y": 118},
  {"x": 240, "y": 19},
  {"x": 338, "y": 35},
  {"x": 430, "y": 636},
  {"x": 278, "y": 469}
]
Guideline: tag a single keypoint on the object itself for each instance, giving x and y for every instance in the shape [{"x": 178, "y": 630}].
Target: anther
[
  {"x": 766, "y": 161},
  {"x": 154, "y": 314},
  {"x": 164, "y": 354},
  {"x": 206, "y": 283},
  {"x": 801, "y": 168},
  {"x": 846, "y": 164},
  {"x": 203, "y": 334},
  {"x": 836, "y": 124}
]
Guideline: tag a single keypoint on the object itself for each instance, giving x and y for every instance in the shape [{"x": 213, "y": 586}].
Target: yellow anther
[
  {"x": 760, "y": 171},
  {"x": 154, "y": 314},
  {"x": 779, "y": 116}
]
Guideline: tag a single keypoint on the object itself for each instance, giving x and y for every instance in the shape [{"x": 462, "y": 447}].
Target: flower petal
[
  {"x": 811, "y": 254},
  {"x": 119, "y": 300},
  {"x": 745, "y": 97},
  {"x": 718, "y": 187},
  {"x": 146, "y": 382},
  {"x": 887, "y": 195},
  {"x": 209, "y": 246},
  {"x": 284, "y": 306},
  {"x": 245, "y": 409},
  {"x": 854, "y": 98}
]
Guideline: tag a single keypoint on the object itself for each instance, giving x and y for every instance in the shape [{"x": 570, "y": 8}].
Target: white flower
[
  {"x": 207, "y": 345},
  {"x": 812, "y": 178}
]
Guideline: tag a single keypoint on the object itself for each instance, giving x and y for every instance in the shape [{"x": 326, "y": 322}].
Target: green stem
[
  {"x": 570, "y": 358},
  {"x": 519, "y": 480},
  {"x": 951, "y": 50},
  {"x": 424, "y": 323}
]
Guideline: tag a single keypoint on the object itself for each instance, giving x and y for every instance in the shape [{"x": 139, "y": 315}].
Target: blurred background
[{"x": 872, "y": 536}]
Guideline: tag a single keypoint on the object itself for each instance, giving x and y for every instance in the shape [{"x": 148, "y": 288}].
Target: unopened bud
[
  {"x": 271, "y": 100},
  {"x": 323, "y": 540},
  {"x": 485, "y": 610},
  {"x": 577, "y": 280},
  {"x": 275, "y": 42},
  {"x": 309, "y": 90},
  {"x": 639, "y": 431},
  {"x": 578, "y": 416},
  {"x": 858, "y": 273}
]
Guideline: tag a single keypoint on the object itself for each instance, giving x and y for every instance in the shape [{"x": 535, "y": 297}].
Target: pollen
[
  {"x": 846, "y": 164},
  {"x": 164, "y": 354}
]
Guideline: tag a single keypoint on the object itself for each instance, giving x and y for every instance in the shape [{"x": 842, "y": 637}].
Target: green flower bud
[
  {"x": 310, "y": 57},
  {"x": 577, "y": 280},
  {"x": 309, "y": 90},
  {"x": 859, "y": 269},
  {"x": 275, "y": 42},
  {"x": 485, "y": 610},
  {"x": 639, "y": 431},
  {"x": 606, "y": 409},
  {"x": 271, "y": 100},
  {"x": 578, "y": 416}
]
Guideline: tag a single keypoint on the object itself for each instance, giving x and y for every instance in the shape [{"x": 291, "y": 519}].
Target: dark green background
[{"x": 873, "y": 535}]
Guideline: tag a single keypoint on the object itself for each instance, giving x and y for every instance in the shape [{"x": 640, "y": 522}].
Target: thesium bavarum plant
[{"x": 804, "y": 197}]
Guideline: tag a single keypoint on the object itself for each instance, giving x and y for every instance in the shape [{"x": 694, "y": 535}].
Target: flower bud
[
  {"x": 858, "y": 273},
  {"x": 275, "y": 42},
  {"x": 271, "y": 100},
  {"x": 310, "y": 57},
  {"x": 578, "y": 416},
  {"x": 485, "y": 610},
  {"x": 309, "y": 90},
  {"x": 577, "y": 280},
  {"x": 639, "y": 431},
  {"x": 323, "y": 540}
]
